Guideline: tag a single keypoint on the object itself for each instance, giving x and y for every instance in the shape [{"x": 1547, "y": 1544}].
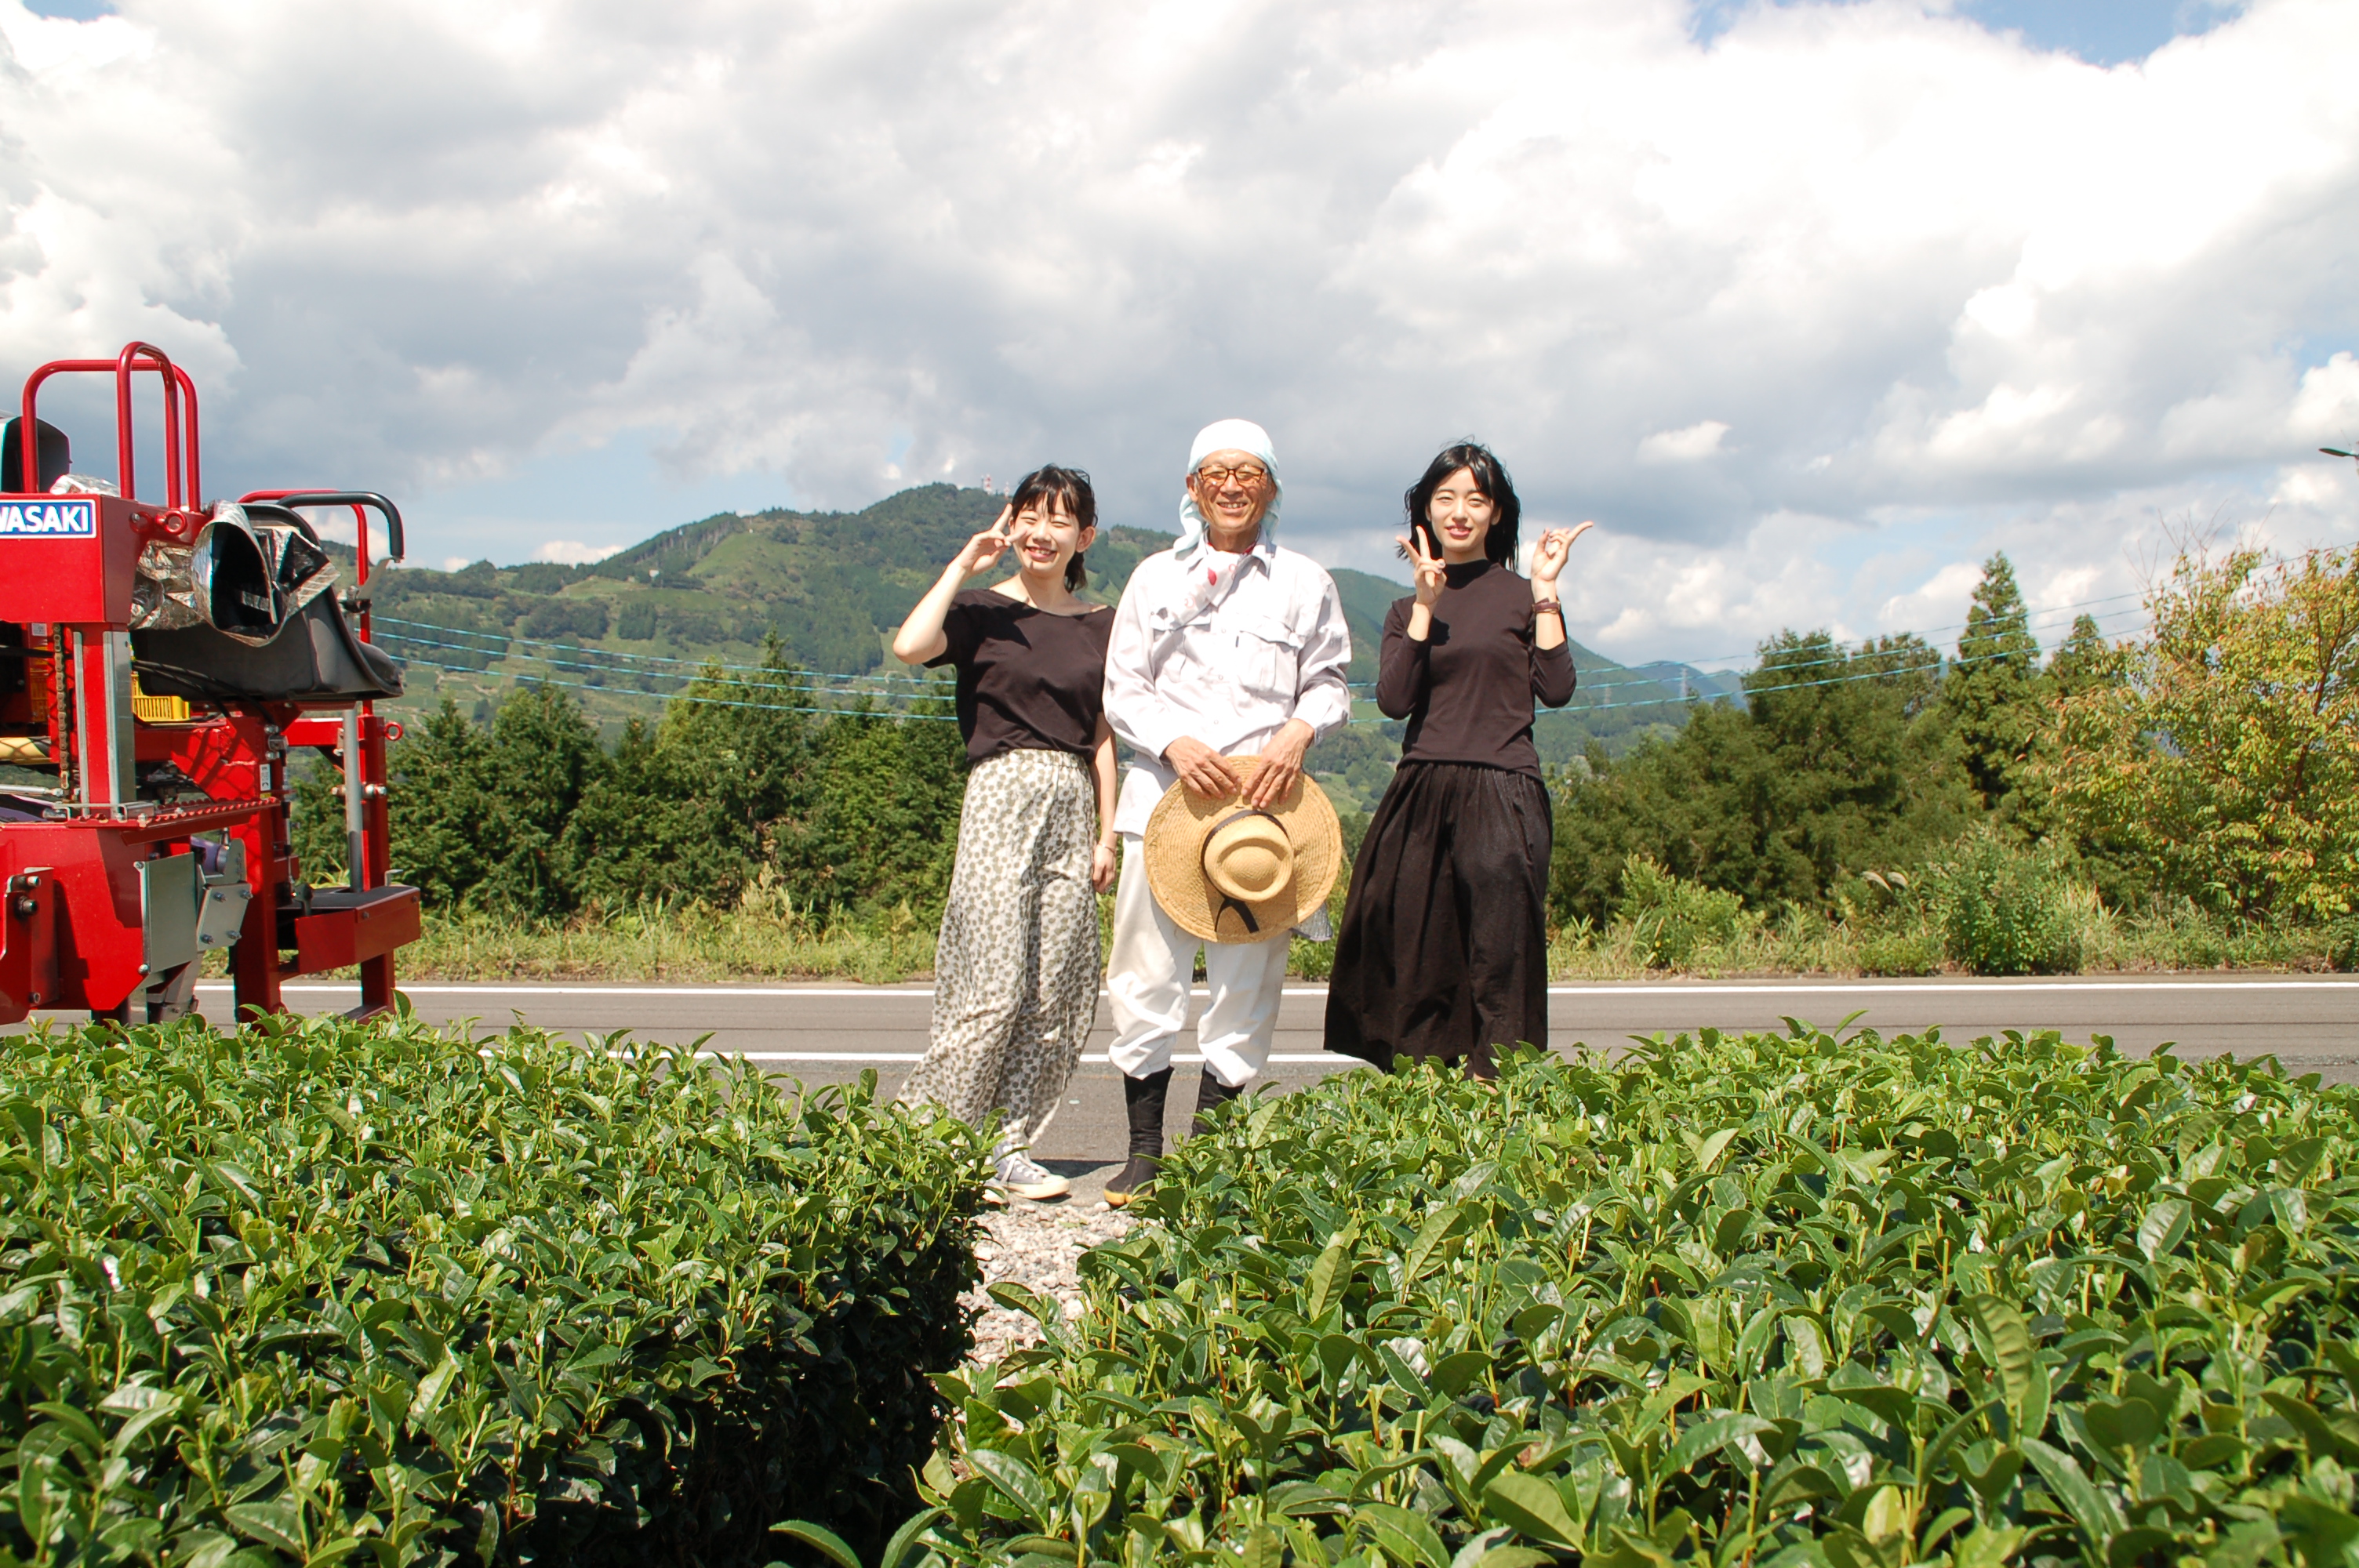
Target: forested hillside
[
  {"x": 1891, "y": 807},
  {"x": 628, "y": 633}
]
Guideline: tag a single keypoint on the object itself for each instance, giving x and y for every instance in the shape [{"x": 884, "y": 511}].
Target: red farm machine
[{"x": 158, "y": 664}]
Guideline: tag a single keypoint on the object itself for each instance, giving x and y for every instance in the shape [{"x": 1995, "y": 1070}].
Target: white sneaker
[{"x": 1016, "y": 1171}]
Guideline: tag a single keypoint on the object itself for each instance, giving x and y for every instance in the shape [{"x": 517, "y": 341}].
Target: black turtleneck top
[{"x": 1467, "y": 690}]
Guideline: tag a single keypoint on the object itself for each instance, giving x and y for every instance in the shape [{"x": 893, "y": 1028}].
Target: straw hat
[{"x": 1228, "y": 873}]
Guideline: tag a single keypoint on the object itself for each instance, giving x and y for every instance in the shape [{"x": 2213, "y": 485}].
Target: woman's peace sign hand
[
  {"x": 982, "y": 552},
  {"x": 1548, "y": 556},
  {"x": 1428, "y": 567}
]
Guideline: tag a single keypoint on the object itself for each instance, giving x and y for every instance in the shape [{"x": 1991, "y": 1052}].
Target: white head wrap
[{"x": 1226, "y": 436}]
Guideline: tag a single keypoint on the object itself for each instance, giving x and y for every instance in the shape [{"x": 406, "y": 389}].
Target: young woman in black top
[
  {"x": 1444, "y": 951},
  {"x": 1016, "y": 972}
]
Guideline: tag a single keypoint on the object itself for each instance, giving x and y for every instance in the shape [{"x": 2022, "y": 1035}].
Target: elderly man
[{"x": 1224, "y": 645}]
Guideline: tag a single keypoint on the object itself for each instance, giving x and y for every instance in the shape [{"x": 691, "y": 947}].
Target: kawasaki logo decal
[{"x": 48, "y": 519}]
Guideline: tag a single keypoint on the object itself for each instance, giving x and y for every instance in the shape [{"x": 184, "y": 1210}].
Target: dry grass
[
  {"x": 768, "y": 941},
  {"x": 2174, "y": 940},
  {"x": 669, "y": 944}
]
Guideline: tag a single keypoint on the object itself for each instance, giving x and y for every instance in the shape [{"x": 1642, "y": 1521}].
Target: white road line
[
  {"x": 1099, "y": 1057},
  {"x": 1633, "y": 988},
  {"x": 529, "y": 989},
  {"x": 1985, "y": 988}
]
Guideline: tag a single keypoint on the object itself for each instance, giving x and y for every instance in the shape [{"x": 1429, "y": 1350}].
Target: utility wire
[
  {"x": 801, "y": 680},
  {"x": 1932, "y": 667},
  {"x": 786, "y": 681},
  {"x": 693, "y": 696},
  {"x": 625, "y": 654}
]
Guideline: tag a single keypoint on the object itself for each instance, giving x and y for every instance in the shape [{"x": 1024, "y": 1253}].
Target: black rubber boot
[
  {"x": 1211, "y": 1096},
  {"x": 1144, "y": 1098}
]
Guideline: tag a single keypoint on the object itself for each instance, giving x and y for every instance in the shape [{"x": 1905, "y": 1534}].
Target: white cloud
[
  {"x": 574, "y": 553},
  {"x": 1944, "y": 284},
  {"x": 2328, "y": 405},
  {"x": 1682, "y": 446}
]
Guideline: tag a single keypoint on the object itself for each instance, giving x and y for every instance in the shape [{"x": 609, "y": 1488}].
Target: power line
[
  {"x": 2051, "y": 616},
  {"x": 625, "y": 653},
  {"x": 800, "y": 680},
  {"x": 1839, "y": 656},
  {"x": 787, "y": 681},
  {"x": 693, "y": 696}
]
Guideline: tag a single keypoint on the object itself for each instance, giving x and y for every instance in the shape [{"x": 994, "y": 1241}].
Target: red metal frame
[
  {"x": 177, "y": 387},
  {"x": 74, "y": 931}
]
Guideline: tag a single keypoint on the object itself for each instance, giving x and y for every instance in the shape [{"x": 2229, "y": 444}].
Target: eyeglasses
[{"x": 1248, "y": 477}]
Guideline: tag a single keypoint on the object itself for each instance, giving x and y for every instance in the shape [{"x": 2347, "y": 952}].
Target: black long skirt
[{"x": 1444, "y": 951}]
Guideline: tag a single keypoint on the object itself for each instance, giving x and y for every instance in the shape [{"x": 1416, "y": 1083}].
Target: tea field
[
  {"x": 322, "y": 1292},
  {"x": 318, "y": 1293},
  {"x": 1805, "y": 1299}
]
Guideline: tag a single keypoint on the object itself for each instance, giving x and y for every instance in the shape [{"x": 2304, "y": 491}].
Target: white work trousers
[{"x": 1148, "y": 983}]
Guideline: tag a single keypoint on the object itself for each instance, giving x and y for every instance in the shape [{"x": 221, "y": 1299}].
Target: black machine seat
[
  {"x": 314, "y": 658},
  {"x": 52, "y": 451}
]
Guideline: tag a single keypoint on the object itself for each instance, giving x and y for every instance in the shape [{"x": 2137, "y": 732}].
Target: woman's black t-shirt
[
  {"x": 1467, "y": 690},
  {"x": 1027, "y": 680}
]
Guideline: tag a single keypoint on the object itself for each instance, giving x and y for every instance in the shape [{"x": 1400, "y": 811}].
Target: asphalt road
[{"x": 824, "y": 1034}]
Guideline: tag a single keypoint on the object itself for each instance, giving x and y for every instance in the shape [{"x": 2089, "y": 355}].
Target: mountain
[{"x": 627, "y": 632}]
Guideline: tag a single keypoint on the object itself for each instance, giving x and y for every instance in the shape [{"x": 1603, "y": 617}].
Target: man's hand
[
  {"x": 1281, "y": 765},
  {"x": 1201, "y": 768}
]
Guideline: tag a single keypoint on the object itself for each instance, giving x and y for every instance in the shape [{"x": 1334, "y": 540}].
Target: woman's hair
[
  {"x": 1490, "y": 477},
  {"x": 1071, "y": 486}
]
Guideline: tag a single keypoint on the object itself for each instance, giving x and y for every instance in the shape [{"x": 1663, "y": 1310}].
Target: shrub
[
  {"x": 636, "y": 623},
  {"x": 1910, "y": 950},
  {"x": 2342, "y": 944},
  {"x": 1794, "y": 1300},
  {"x": 567, "y": 618},
  {"x": 1672, "y": 918},
  {"x": 2005, "y": 912},
  {"x": 323, "y": 1288}
]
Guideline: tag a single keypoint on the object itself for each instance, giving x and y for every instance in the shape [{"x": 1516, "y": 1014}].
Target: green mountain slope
[{"x": 626, "y": 631}]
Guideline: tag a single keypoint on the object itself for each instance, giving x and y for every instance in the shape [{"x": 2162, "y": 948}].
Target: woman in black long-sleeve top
[{"x": 1444, "y": 951}]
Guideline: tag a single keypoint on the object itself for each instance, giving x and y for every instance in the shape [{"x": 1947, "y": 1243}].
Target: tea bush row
[
  {"x": 325, "y": 1291},
  {"x": 1784, "y": 1301}
]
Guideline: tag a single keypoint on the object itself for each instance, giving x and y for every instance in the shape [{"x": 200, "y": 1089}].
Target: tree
[
  {"x": 543, "y": 755},
  {"x": 1840, "y": 763},
  {"x": 692, "y": 809},
  {"x": 2226, "y": 751},
  {"x": 437, "y": 805},
  {"x": 1993, "y": 691},
  {"x": 2083, "y": 659},
  {"x": 882, "y": 826}
]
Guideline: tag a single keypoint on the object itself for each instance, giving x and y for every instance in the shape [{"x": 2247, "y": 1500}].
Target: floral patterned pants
[{"x": 1016, "y": 972}]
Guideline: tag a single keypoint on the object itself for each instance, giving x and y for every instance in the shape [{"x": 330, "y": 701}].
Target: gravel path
[{"x": 1037, "y": 1245}]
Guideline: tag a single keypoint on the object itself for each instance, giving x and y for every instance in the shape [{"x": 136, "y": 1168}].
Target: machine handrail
[
  {"x": 356, "y": 500},
  {"x": 176, "y": 386}
]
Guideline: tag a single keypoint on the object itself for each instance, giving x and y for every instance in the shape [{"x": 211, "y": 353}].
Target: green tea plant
[
  {"x": 324, "y": 1290},
  {"x": 1805, "y": 1299}
]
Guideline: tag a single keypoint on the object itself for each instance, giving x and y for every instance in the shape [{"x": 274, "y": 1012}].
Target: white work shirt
[{"x": 1226, "y": 649}]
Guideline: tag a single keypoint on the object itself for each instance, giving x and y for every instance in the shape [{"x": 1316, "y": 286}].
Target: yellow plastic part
[{"x": 156, "y": 709}]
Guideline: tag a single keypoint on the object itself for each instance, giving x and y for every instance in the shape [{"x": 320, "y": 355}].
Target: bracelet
[{"x": 1548, "y": 606}]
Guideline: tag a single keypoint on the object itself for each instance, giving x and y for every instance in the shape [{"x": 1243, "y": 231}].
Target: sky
[{"x": 1810, "y": 306}]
